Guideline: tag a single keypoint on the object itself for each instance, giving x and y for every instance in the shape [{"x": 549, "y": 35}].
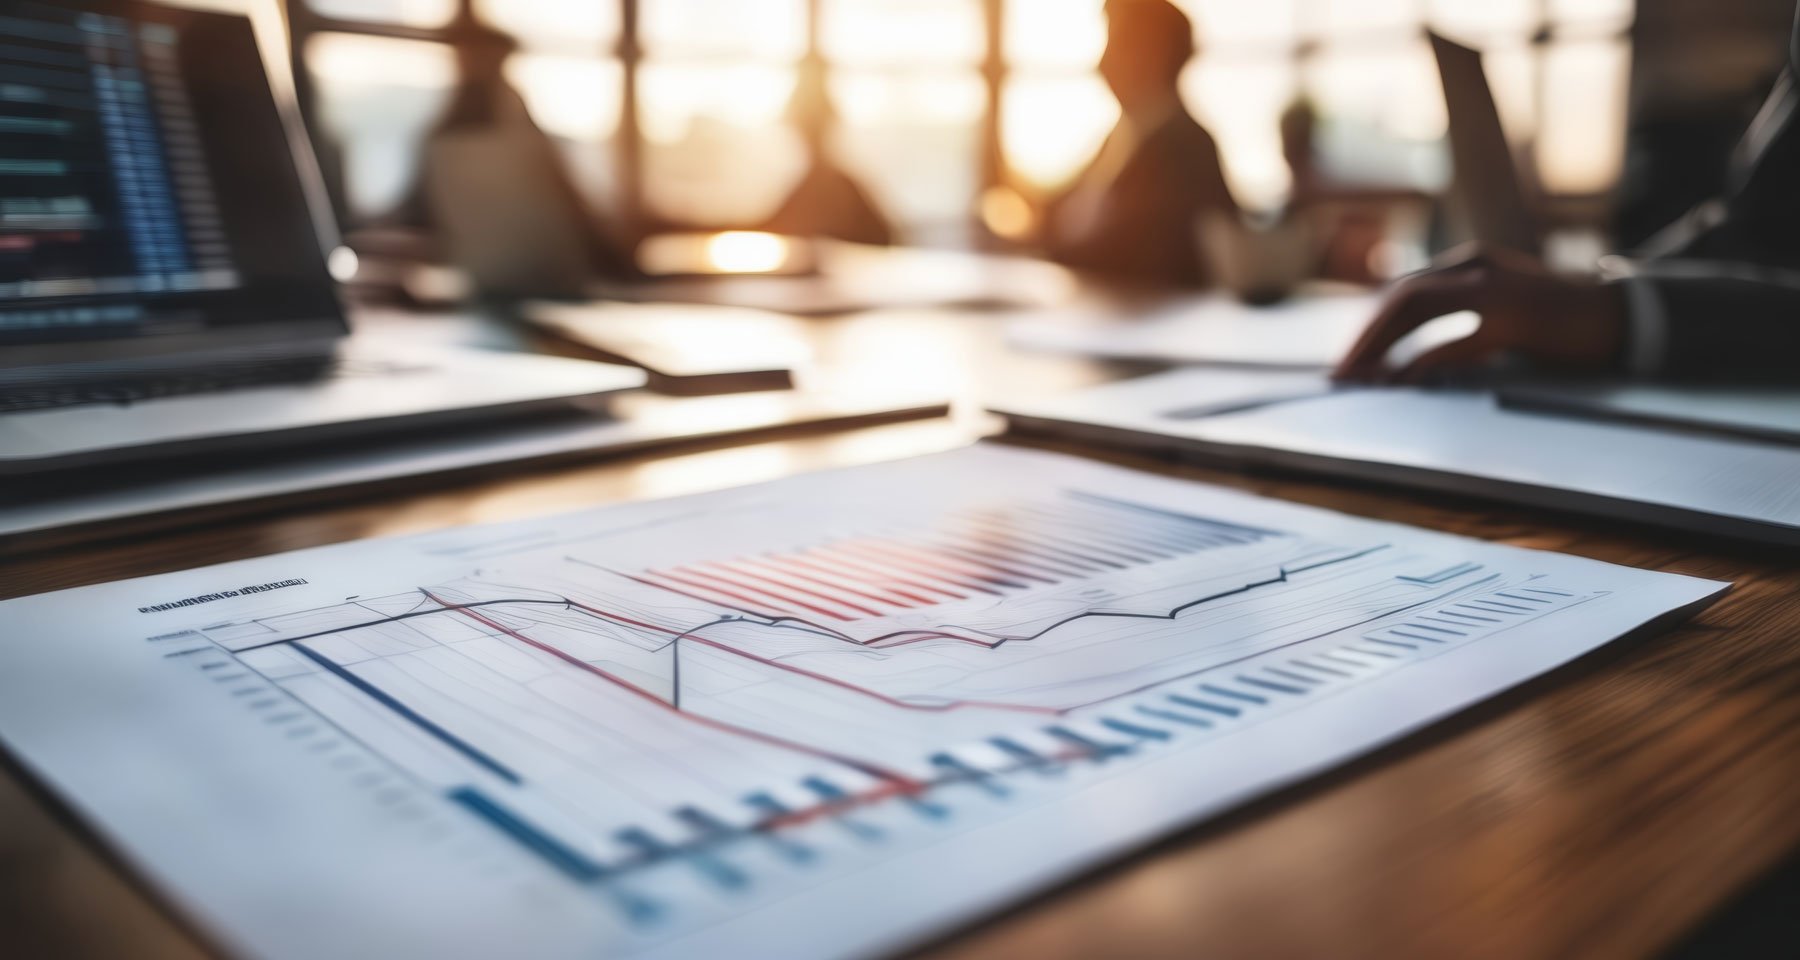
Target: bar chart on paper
[{"x": 685, "y": 722}]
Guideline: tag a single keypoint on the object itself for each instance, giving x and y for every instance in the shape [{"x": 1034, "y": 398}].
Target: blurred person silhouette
[
  {"x": 1299, "y": 127},
  {"x": 1133, "y": 215},
  {"x": 1715, "y": 295},
  {"x": 1351, "y": 219},
  {"x": 484, "y": 105},
  {"x": 827, "y": 201}
]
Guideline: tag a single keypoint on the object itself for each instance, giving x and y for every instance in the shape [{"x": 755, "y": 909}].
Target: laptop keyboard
[{"x": 124, "y": 392}]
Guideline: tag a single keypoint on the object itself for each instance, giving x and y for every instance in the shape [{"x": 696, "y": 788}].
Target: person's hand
[{"x": 1572, "y": 325}]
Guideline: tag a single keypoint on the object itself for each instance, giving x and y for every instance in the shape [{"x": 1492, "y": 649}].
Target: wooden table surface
[{"x": 1604, "y": 811}]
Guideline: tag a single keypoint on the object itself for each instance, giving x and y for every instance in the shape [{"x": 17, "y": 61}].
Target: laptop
[{"x": 164, "y": 288}]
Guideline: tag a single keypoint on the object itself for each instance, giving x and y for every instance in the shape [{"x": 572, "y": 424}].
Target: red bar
[{"x": 736, "y": 569}]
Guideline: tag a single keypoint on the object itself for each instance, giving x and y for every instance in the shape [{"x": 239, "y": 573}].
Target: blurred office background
[{"x": 957, "y": 115}]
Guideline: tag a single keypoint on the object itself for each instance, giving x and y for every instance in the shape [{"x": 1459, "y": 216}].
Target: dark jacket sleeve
[
  {"x": 1735, "y": 327},
  {"x": 1730, "y": 323}
]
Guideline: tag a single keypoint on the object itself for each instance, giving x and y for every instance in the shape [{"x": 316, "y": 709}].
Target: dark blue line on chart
[
  {"x": 552, "y": 850},
  {"x": 381, "y": 696},
  {"x": 1448, "y": 573}
]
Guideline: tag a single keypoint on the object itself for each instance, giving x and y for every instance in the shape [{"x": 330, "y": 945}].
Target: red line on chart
[
  {"x": 884, "y": 698},
  {"x": 896, "y": 780}
]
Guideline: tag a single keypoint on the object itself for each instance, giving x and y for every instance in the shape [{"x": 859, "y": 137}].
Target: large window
[
  {"x": 906, "y": 83},
  {"x": 1364, "y": 68},
  {"x": 683, "y": 112},
  {"x": 714, "y": 93}
]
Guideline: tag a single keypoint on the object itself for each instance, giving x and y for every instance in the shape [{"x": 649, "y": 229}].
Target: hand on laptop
[{"x": 1574, "y": 325}]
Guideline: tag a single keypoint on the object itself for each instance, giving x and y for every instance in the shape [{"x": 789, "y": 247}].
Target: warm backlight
[{"x": 744, "y": 251}]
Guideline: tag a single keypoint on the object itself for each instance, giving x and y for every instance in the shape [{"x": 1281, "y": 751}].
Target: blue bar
[
  {"x": 1291, "y": 675},
  {"x": 1309, "y": 665},
  {"x": 1234, "y": 694},
  {"x": 1133, "y": 730},
  {"x": 832, "y": 793},
  {"x": 715, "y": 829},
  {"x": 1197, "y": 704},
  {"x": 1270, "y": 684},
  {"x": 1018, "y": 751},
  {"x": 559, "y": 855},
  {"x": 1095, "y": 748},
  {"x": 1173, "y": 717},
  {"x": 967, "y": 774},
  {"x": 716, "y": 870}
]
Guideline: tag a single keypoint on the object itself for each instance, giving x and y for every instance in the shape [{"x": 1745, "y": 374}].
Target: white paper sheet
[
  {"x": 1463, "y": 442},
  {"x": 1304, "y": 332},
  {"x": 1766, "y": 413},
  {"x": 823, "y": 717}
]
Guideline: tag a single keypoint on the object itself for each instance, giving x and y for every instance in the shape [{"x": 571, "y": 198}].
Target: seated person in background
[
  {"x": 485, "y": 104},
  {"x": 827, "y": 202},
  {"x": 1351, "y": 220},
  {"x": 1718, "y": 297},
  {"x": 1134, "y": 213}
]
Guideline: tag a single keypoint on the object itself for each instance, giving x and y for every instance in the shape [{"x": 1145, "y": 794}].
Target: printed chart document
[{"x": 827, "y": 716}]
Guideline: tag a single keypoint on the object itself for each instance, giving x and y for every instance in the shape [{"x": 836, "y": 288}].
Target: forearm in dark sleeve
[{"x": 1728, "y": 328}]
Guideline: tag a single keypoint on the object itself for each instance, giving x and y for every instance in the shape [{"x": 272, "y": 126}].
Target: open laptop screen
[{"x": 148, "y": 191}]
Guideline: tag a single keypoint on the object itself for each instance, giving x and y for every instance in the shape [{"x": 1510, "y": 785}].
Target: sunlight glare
[
  {"x": 1052, "y": 126},
  {"x": 746, "y": 251},
  {"x": 1065, "y": 34},
  {"x": 409, "y": 13},
  {"x": 576, "y": 98},
  {"x": 1006, "y": 213},
  {"x": 765, "y": 30},
  {"x": 909, "y": 33},
  {"x": 576, "y": 26},
  {"x": 1581, "y": 137}
]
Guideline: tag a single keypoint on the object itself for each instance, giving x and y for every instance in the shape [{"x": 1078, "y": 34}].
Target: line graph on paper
[{"x": 619, "y": 698}]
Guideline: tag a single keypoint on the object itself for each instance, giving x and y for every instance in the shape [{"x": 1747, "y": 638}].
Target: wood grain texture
[{"x": 1601, "y": 812}]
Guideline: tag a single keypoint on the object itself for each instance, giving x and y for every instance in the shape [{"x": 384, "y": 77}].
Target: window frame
[{"x": 993, "y": 68}]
